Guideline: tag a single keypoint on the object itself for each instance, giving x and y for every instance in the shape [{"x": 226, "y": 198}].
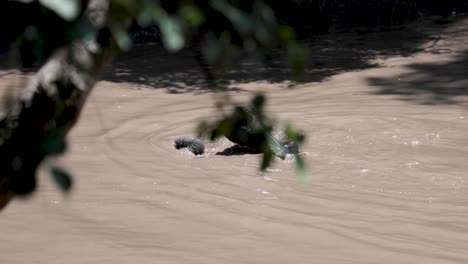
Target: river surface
[{"x": 387, "y": 152}]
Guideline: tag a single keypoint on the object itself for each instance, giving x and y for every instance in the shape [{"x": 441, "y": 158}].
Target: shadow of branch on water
[
  {"x": 236, "y": 150},
  {"x": 429, "y": 83},
  {"x": 150, "y": 66}
]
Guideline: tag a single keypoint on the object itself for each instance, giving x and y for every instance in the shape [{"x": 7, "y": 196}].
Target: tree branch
[{"x": 48, "y": 108}]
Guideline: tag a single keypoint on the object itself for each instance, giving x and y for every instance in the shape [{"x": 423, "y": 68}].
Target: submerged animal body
[
  {"x": 195, "y": 145},
  {"x": 243, "y": 135}
]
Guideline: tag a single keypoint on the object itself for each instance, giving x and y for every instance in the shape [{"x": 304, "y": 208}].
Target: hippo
[{"x": 243, "y": 136}]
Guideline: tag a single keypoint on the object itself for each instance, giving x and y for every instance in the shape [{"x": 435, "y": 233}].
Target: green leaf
[
  {"x": 216, "y": 49},
  {"x": 62, "y": 179},
  {"x": 66, "y": 9},
  {"x": 285, "y": 34},
  {"x": 294, "y": 135},
  {"x": 296, "y": 57},
  {"x": 121, "y": 37},
  {"x": 157, "y": 13},
  {"x": 301, "y": 170},
  {"x": 192, "y": 15},
  {"x": 172, "y": 33},
  {"x": 276, "y": 146},
  {"x": 267, "y": 158},
  {"x": 54, "y": 145},
  {"x": 258, "y": 101},
  {"x": 85, "y": 31}
]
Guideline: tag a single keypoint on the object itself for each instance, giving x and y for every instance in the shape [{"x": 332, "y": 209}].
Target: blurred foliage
[
  {"x": 24, "y": 145},
  {"x": 224, "y": 27},
  {"x": 249, "y": 126},
  {"x": 62, "y": 178},
  {"x": 33, "y": 29}
]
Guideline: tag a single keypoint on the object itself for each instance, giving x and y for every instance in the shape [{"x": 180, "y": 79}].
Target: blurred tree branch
[
  {"x": 47, "y": 109},
  {"x": 89, "y": 34}
]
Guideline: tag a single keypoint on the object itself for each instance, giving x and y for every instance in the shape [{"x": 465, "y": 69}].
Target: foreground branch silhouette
[
  {"x": 37, "y": 125},
  {"x": 88, "y": 38}
]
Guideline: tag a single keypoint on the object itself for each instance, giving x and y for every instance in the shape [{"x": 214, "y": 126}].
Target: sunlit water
[{"x": 388, "y": 177}]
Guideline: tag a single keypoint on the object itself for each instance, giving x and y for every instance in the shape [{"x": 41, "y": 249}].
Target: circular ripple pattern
[{"x": 387, "y": 173}]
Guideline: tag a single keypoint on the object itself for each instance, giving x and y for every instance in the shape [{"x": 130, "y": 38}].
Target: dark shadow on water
[
  {"x": 149, "y": 65},
  {"x": 429, "y": 83},
  {"x": 236, "y": 150}
]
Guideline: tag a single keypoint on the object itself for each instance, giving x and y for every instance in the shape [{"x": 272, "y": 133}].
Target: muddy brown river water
[{"x": 387, "y": 151}]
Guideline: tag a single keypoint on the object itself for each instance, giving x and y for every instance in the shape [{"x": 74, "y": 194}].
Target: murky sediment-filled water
[{"x": 387, "y": 151}]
